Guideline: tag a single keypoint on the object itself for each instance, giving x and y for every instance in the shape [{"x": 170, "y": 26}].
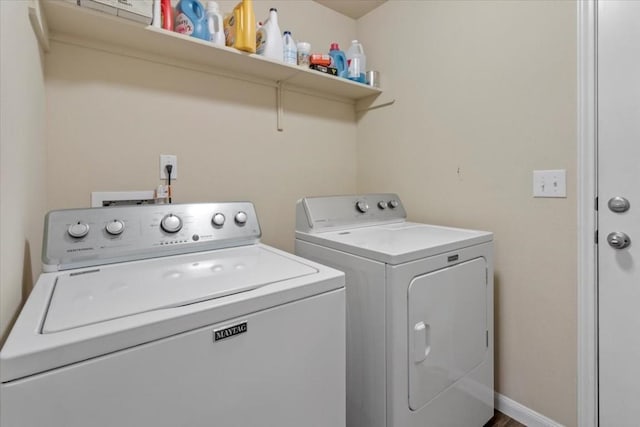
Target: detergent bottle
[
  {"x": 356, "y": 62},
  {"x": 166, "y": 12},
  {"x": 214, "y": 21},
  {"x": 163, "y": 14},
  {"x": 244, "y": 20},
  {"x": 338, "y": 60},
  {"x": 191, "y": 19},
  {"x": 268, "y": 39}
]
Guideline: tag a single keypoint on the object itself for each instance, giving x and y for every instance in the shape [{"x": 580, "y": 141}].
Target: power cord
[{"x": 169, "y": 168}]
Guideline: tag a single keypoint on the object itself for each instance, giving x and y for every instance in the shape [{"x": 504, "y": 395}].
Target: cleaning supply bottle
[
  {"x": 157, "y": 14},
  {"x": 269, "y": 40},
  {"x": 245, "y": 26},
  {"x": 191, "y": 19},
  {"x": 290, "y": 51},
  {"x": 166, "y": 11},
  {"x": 338, "y": 60},
  {"x": 357, "y": 62},
  {"x": 214, "y": 21}
]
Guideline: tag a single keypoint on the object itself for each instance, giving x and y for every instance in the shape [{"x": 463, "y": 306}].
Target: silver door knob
[
  {"x": 618, "y": 204},
  {"x": 618, "y": 240}
]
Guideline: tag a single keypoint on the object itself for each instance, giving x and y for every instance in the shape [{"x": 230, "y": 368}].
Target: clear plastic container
[{"x": 357, "y": 62}]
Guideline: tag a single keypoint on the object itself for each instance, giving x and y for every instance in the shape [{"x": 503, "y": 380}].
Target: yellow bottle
[{"x": 245, "y": 26}]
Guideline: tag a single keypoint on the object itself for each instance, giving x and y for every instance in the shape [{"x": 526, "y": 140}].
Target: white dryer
[
  {"x": 419, "y": 311},
  {"x": 174, "y": 315}
]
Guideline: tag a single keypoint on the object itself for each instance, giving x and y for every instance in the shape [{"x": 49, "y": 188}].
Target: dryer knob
[
  {"x": 78, "y": 230},
  {"x": 241, "y": 218},
  {"x": 393, "y": 204},
  {"x": 362, "y": 206},
  {"x": 382, "y": 204},
  {"x": 218, "y": 219},
  {"x": 171, "y": 223},
  {"x": 115, "y": 227}
]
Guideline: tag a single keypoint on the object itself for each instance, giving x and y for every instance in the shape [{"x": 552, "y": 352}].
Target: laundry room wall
[
  {"x": 110, "y": 116},
  {"x": 22, "y": 157},
  {"x": 486, "y": 93}
]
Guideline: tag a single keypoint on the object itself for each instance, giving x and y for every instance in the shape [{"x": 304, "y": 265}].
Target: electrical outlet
[
  {"x": 168, "y": 159},
  {"x": 550, "y": 183}
]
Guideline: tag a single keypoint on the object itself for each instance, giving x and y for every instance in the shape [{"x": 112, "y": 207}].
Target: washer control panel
[
  {"x": 336, "y": 212},
  {"x": 76, "y": 238}
]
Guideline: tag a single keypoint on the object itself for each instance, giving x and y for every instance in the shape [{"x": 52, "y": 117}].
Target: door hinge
[
  {"x": 486, "y": 276},
  {"x": 487, "y": 336},
  {"x": 595, "y": 237},
  {"x": 596, "y": 203}
]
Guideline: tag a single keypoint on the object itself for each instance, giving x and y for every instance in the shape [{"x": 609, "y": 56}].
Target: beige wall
[
  {"x": 485, "y": 93},
  {"x": 22, "y": 157},
  {"x": 110, "y": 116}
]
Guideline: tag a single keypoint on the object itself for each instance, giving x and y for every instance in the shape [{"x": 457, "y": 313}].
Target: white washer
[
  {"x": 419, "y": 311},
  {"x": 174, "y": 315}
]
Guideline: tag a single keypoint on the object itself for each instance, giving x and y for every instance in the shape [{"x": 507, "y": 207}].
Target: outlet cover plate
[{"x": 168, "y": 159}]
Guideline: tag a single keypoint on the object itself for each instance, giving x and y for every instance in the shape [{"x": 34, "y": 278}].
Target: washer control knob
[
  {"x": 171, "y": 223},
  {"x": 115, "y": 227},
  {"x": 382, "y": 204},
  {"x": 393, "y": 204},
  {"x": 241, "y": 218},
  {"x": 78, "y": 230},
  {"x": 218, "y": 219},
  {"x": 362, "y": 206}
]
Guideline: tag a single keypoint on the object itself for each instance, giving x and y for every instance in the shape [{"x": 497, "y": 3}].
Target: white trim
[
  {"x": 97, "y": 197},
  {"x": 39, "y": 24},
  {"x": 587, "y": 392},
  {"x": 521, "y": 413}
]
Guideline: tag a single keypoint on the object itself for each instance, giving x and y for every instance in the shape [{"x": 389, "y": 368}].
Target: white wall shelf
[{"x": 67, "y": 21}]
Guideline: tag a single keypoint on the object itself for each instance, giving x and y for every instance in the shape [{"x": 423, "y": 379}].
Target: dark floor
[{"x": 501, "y": 420}]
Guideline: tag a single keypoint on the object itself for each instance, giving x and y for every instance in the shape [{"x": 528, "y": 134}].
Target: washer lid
[
  {"x": 120, "y": 306},
  {"x": 111, "y": 292},
  {"x": 398, "y": 243}
]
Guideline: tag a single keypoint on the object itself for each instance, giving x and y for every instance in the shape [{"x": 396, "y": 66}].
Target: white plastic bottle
[
  {"x": 357, "y": 62},
  {"x": 215, "y": 23},
  {"x": 290, "y": 50},
  {"x": 268, "y": 38}
]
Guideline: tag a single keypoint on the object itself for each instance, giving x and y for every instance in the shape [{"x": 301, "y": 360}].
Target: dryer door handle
[{"x": 421, "y": 341}]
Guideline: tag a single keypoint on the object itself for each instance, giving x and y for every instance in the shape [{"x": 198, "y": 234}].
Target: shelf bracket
[
  {"x": 279, "y": 107},
  {"x": 374, "y": 102}
]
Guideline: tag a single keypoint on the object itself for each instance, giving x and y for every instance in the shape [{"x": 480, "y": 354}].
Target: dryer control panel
[
  {"x": 76, "y": 238},
  {"x": 315, "y": 214}
]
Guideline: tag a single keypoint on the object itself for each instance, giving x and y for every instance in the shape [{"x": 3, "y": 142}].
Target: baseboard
[{"x": 522, "y": 414}]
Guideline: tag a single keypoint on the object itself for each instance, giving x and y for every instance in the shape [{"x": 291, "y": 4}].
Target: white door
[{"x": 618, "y": 92}]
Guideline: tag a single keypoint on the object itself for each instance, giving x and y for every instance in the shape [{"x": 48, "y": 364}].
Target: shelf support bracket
[
  {"x": 279, "y": 106},
  {"x": 374, "y": 102}
]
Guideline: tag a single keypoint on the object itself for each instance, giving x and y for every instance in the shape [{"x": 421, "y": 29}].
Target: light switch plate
[{"x": 550, "y": 183}]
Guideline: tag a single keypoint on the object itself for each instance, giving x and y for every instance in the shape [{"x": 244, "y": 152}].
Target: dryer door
[{"x": 447, "y": 328}]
